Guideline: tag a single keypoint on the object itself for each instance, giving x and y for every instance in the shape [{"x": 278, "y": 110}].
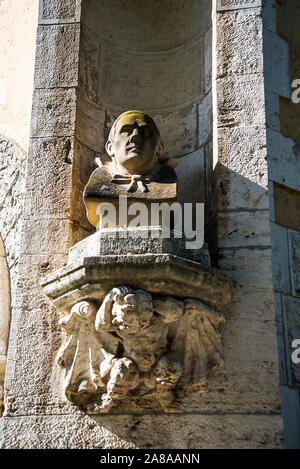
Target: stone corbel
[
  {"x": 135, "y": 345},
  {"x": 137, "y": 327}
]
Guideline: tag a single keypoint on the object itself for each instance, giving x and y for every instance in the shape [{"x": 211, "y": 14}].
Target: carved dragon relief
[{"x": 134, "y": 345}]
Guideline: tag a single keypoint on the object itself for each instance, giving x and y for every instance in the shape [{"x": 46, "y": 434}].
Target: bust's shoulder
[
  {"x": 164, "y": 173},
  {"x": 105, "y": 182},
  {"x": 102, "y": 173}
]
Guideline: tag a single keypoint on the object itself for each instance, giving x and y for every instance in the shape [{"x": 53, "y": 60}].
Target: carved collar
[{"x": 135, "y": 181}]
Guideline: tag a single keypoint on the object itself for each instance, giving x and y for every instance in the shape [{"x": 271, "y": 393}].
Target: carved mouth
[{"x": 136, "y": 148}]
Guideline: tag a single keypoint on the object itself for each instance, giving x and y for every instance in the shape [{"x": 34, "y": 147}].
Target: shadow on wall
[{"x": 242, "y": 210}]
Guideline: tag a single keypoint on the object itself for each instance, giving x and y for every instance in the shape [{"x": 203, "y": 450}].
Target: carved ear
[
  {"x": 160, "y": 148},
  {"x": 108, "y": 148},
  {"x": 102, "y": 160}
]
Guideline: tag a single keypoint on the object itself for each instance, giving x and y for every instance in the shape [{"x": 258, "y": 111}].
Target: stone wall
[
  {"x": 244, "y": 249},
  {"x": 281, "y": 45},
  {"x": 12, "y": 174},
  {"x": 241, "y": 407},
  {"x": 18, "y": 36}
]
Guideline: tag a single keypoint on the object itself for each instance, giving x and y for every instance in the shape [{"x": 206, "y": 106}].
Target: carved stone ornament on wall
[
  {"x": 140, "y": 311},
  {"x": 137, "y": 345}
]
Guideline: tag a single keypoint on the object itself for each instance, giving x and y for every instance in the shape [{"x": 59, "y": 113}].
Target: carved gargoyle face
[
  {"x": 134, "y": 143},
  {"x": 133, "y": 312}
]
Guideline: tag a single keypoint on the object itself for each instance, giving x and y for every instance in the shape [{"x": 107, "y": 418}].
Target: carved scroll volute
[{"x": 81, "y": 353}]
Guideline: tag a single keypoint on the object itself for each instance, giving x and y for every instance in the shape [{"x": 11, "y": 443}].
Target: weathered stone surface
[
  {"x": 140, "y": 240},
  {"x": 148, "y": 27},
  {"x": 236, "y": 192},
  {"x": 292, "y": 331},
  {"x": 50, "y": 166},
  {"x": 45, "y": 235},
  {"x": 35, "y": 337},
  {"x": 168, "y": 275},
  {"x": 276, "y": 64},
  {"x": 243, "y": 229},
  {"x": 82, "y": 167},
  {"x": 90, "y": 124},
  {"x": 12, "y": 171},
  {"x": 246, "y": 156},
  {"x": 4, "y": 318},
  {"x": 280, "y": 255},
  {"x": 269, "y": 15},
  {"x": 210, "y": 192},
  {"x": 191, "y": 168},
  {"x": 184, "y": 140},
  {"x": 242, "y": 169},
  {"x": 159, "y": 336},
  {"x": 178, "y": 432},
  {"x": 281, "y": 149},
  {"x": 294, "y": 239},
  {"x": 207, "y": 61},
  {"x": 249, "y": 383},
  {"x": 62, "y": 10},
  {"x": 5, "y": 309},
  {"x": 241, "y": 101},
  {"x": 181, "y": 66},
  {"x": 225, "y": 5},
  {"x": 89, "y": 70},
  {"x": 286, "y": 206},
  {"x": 60, "y": 45},
  {"x": 205, "y": 119},
  {"x": 53, "y": 112},
  {"x": 242, "y": 266},
  {"x": 272, "y": 110},
  {"x": 239, "y": 45},
  {"x": 281, "y": 340}
]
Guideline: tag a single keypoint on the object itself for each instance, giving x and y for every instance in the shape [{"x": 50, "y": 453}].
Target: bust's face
[{"x": 135, "y": 143}]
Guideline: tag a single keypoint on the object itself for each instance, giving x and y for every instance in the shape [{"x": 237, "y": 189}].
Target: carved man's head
[{"x": 134, "y": 142}]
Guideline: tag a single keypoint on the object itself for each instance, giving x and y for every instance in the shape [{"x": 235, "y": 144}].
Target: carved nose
[{"x": 136, "y": 136}]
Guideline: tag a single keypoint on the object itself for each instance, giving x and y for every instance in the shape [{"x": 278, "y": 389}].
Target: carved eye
[
  {"x": 127, "y": 129},
  {"x": 146, "y": 131}
]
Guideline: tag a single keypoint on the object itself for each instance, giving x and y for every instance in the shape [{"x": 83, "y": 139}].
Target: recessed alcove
[{"x": 152, "y": 56}]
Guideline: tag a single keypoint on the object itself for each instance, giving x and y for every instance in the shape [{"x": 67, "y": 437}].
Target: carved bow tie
[{"x": 135, "y": 181}]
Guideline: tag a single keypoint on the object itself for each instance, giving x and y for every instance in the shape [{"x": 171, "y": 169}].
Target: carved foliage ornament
[{"x": 137, "y": 345}]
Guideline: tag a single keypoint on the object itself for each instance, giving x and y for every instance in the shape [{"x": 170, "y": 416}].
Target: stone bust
[{"x": 134, "y": 168}]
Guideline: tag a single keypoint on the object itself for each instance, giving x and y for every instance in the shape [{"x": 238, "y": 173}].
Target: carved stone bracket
[{"x": 136, "y": 326}]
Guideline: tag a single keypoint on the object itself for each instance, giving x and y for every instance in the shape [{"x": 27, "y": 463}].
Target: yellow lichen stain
[{"x": 129, "y": 116}]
